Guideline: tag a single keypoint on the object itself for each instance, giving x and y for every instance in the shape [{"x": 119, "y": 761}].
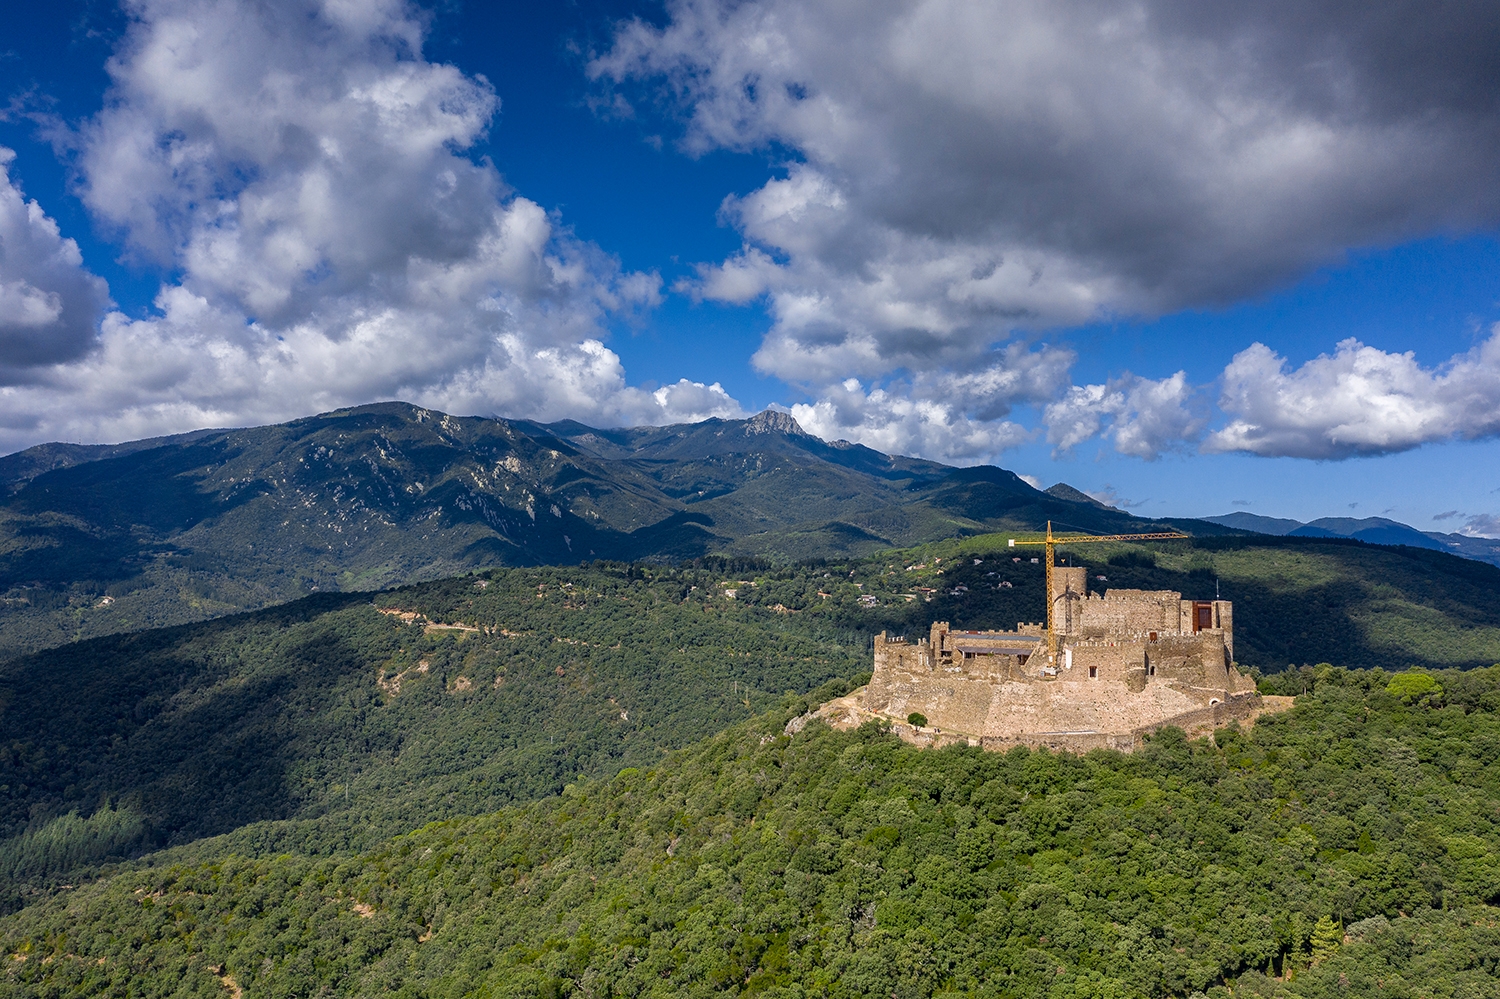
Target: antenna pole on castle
[{"x": 1051, "y": 609}]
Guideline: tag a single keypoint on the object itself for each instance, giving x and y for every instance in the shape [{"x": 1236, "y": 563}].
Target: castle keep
[{"x": 1127, "y": 662}]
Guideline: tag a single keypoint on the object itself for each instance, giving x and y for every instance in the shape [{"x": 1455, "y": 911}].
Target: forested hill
[
  {"x": 465, "y": 695},
  {"x": 1347, "y": 848},
  {"x": 344, "y": 716},
  {"x": 106, "y": 539}
]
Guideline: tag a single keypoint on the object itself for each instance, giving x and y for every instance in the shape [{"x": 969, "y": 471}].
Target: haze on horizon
[{"x": 1191, "y": 256}]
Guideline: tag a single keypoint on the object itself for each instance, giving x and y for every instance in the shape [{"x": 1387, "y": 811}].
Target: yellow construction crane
[{"x": 1051, "y": 542}]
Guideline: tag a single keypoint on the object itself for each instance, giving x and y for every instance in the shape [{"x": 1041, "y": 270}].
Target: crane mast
[{"x": 1051, "y": 542}]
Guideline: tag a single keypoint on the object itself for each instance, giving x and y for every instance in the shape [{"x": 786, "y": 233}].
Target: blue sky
[{"x": 1174, "y": 254}]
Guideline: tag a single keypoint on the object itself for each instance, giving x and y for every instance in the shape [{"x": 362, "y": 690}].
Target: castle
[{"x": 1127, "y": 662}]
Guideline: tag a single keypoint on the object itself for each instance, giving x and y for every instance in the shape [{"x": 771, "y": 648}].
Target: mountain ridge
[
  {"x": 190, "y": 527},
  {"x": 1371, "y": 530}
]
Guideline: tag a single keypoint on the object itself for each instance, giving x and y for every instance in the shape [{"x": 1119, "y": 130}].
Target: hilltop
[{"x": 96, "y": 540}]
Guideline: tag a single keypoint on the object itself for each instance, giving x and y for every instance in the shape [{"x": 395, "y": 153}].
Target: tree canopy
[{"x": 1346, "y": 848}]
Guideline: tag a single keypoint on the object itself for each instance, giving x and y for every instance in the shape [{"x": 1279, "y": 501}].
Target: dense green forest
[
  {"x": 1346, "y": 848},
  {"x": 363, "y": 724},
  {"x": 344, "y": 724}
]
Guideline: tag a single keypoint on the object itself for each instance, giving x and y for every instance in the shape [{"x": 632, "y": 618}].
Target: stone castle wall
[
  {"x": 1129, "y": 661},
  {"x": 1132, "y": 612},
  {"x": 1195, "y": 723}
]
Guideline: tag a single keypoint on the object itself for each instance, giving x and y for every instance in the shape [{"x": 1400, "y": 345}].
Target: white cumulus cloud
[
  {"x": 958, "y": 417},
  {"x": 896, "y": 423},
  {"x": 301, "y": 169},
  {"x": 1360, "y": 400},
  {"x": 1483, "y": 525},
  {"x": 1141, "y": 416}
]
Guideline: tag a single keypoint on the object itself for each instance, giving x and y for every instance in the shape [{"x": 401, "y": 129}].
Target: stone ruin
[{"x": 1129, "y": 662}]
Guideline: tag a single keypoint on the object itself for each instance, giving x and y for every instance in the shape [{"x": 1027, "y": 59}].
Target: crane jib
[
  {"x": 1064, "y": 539},
  {"x": 1051, "y": 541}
]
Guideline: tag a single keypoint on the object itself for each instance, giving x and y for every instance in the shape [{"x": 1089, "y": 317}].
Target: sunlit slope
[{"x": 1346, "y": 848}]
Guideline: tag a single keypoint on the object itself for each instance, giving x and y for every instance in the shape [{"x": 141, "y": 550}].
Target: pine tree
[{"x": 1327, "y": 937}]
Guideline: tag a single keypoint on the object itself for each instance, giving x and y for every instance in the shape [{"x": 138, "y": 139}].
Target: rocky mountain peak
[{"x": 770, "y": 421}]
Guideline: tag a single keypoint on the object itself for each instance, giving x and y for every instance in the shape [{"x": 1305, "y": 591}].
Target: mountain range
[
  {"x": 1371, "y": 530},
  {"x": 101, "y": 539}
]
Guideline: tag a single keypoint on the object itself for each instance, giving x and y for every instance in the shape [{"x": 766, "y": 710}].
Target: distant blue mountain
[
  {"x": 1254, "y": 522},
  {"x": 1371, "y": 530},
  {"x": 1309, "y": 531}
]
